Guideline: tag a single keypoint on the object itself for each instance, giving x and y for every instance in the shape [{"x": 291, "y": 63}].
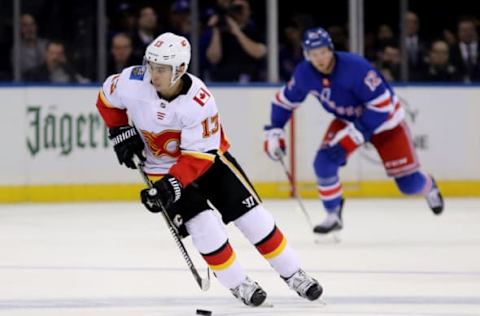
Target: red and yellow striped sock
[
  {"x": 275, "y": 249},
  {"x": 272, "y": 245},
  {"x": 225, "y": 266},
  {"x": 221, "y": 258}
]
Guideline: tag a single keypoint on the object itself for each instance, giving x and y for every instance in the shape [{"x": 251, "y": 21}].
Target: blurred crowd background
[{"x": 58, "y": 40}]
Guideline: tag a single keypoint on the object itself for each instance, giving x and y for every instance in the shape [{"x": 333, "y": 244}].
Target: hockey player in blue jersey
[{"x": 365, "y": 109}]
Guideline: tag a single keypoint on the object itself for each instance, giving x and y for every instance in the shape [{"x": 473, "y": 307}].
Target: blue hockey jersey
[{"x": 354, "y": 90}]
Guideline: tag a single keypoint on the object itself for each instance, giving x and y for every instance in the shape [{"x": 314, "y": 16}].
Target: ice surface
[{"x": 395, "y": 258}]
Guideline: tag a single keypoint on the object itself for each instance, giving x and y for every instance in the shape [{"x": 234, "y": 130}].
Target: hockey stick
[
  {"x": 203, "y": 283},
  {"x": 294, "y": 190}
]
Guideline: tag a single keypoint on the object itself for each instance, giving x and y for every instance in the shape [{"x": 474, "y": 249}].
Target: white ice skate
[
  {"x": 435, "y": 199},
  {"x": 332, "y": 222},
  {"x": 250, "y": 293},
  {"x": 330, "y": 226},
  {"x": 306, "y": 286}
]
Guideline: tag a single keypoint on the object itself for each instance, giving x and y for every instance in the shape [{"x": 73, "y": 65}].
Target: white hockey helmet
[{"x": 169, "y": 49}]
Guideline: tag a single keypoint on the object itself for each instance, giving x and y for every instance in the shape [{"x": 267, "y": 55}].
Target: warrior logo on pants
[{"x": 249, "y": 202}]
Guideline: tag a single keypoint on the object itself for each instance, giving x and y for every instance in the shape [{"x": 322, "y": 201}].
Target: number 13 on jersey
[{"x": 210, "y": 126}]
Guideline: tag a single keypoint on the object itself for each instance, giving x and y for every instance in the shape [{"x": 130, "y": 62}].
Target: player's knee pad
[
  {"x": 324, "y": 166},
  {"x": 207, "y": 231},
  {"x": 256, "y": 224},
  {"x": 412, "y": 184}
]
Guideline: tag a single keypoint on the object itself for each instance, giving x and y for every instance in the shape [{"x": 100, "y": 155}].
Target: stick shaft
[
  {"x": 202, "y": 283},
  {"x": 295, "y": 192}
]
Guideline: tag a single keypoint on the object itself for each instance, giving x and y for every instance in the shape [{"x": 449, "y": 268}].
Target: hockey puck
[{"x": 203, "y": 312}]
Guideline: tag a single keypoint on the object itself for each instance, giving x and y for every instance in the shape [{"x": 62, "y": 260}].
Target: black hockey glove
[
  {"x": 127, "y": 143},
  {"x": 166, "y": 190}
]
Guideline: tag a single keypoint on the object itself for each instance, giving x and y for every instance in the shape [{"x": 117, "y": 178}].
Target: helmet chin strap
[
  {"x": 173, "y": 80},
  {"x": 176, "y": 70}
]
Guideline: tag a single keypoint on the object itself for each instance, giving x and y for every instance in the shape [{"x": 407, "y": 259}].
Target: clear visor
[{"x": 158, "y": 68}]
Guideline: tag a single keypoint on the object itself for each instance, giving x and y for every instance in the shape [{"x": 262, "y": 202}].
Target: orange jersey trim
[
  {"x": 224, "y": 142},
  {"x": 199, "y": 155},
  {"x": 113, "y": 117},
  {"x": 190, "y": 166},
  {"x": 154, "y": 177}
]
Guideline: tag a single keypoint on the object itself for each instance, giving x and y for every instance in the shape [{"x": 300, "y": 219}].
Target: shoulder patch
[
  {"x": 137, "y": 73},
  {"x": 201, "y": 97},
  {"x": 372, "y": 80}
]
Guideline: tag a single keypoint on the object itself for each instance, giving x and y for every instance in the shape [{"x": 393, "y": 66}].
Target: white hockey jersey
[{"x": 181, "y": 136}]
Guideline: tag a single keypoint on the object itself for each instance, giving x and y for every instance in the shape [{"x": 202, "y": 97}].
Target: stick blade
[{"x": 204, "y": 284}]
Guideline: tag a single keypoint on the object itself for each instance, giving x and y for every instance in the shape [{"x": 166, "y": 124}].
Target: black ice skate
[
  {"x": 435, "y": 199},
  {"x": 305, "y": 286},
  {"x": 250, "y": 293},
  {"x": 332, "y": 223}
]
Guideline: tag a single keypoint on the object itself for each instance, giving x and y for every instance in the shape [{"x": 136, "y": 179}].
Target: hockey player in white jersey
[{"x": 176, "y": 129}]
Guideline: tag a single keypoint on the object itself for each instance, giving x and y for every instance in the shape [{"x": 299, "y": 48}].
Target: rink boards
[{"x": 55, "y": 146}]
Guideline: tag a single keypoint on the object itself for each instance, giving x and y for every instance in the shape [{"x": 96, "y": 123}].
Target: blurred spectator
[
  {"x": 120, "y": 53},
  {"x": 6, "y": 41},
  {"x": 180, "y": 23},
  {"x": 235, "y": 49},
  {"x": 147, "y": 31},
  {"x": 32, "y": 48},
  {"x": 125, "y": 18},
  {"x": 339, "y": 37},
  {"x": 414, "y": 46},
  {"x": 291, "y": 53},
  {"x": 55, "y": 68},
  {"x": 465, "y": 54},
  {"x": 439, "y": 68},
  {"x": 370, "y": 48},
  {"x": 84, "y": 54},
  {"x": 389, "y": 63},
  {"x": 449, "y": 37},
  {"x": 385, "y": 37}
]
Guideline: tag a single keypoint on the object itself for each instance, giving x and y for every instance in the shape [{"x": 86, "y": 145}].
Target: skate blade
[
  {"x": 330, "y": 238},
  {"x": 265, "y": 304}
]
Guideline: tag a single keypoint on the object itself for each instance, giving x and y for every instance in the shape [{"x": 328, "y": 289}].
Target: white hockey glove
[
  {"x": 349, "y": 138},
  {"x": 274, "y": 144},
  {"x": 343, "y": 144}
]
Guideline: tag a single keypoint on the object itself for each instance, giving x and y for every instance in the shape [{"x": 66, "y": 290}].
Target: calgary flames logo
[
  {"x": 163, "y": 143},
  {"x": 113, "y": 86}
]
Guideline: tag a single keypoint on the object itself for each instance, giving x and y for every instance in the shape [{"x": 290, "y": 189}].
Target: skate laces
[
  {"x": 246, "y": 290},
  {"x": 300, "y": 282}
]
